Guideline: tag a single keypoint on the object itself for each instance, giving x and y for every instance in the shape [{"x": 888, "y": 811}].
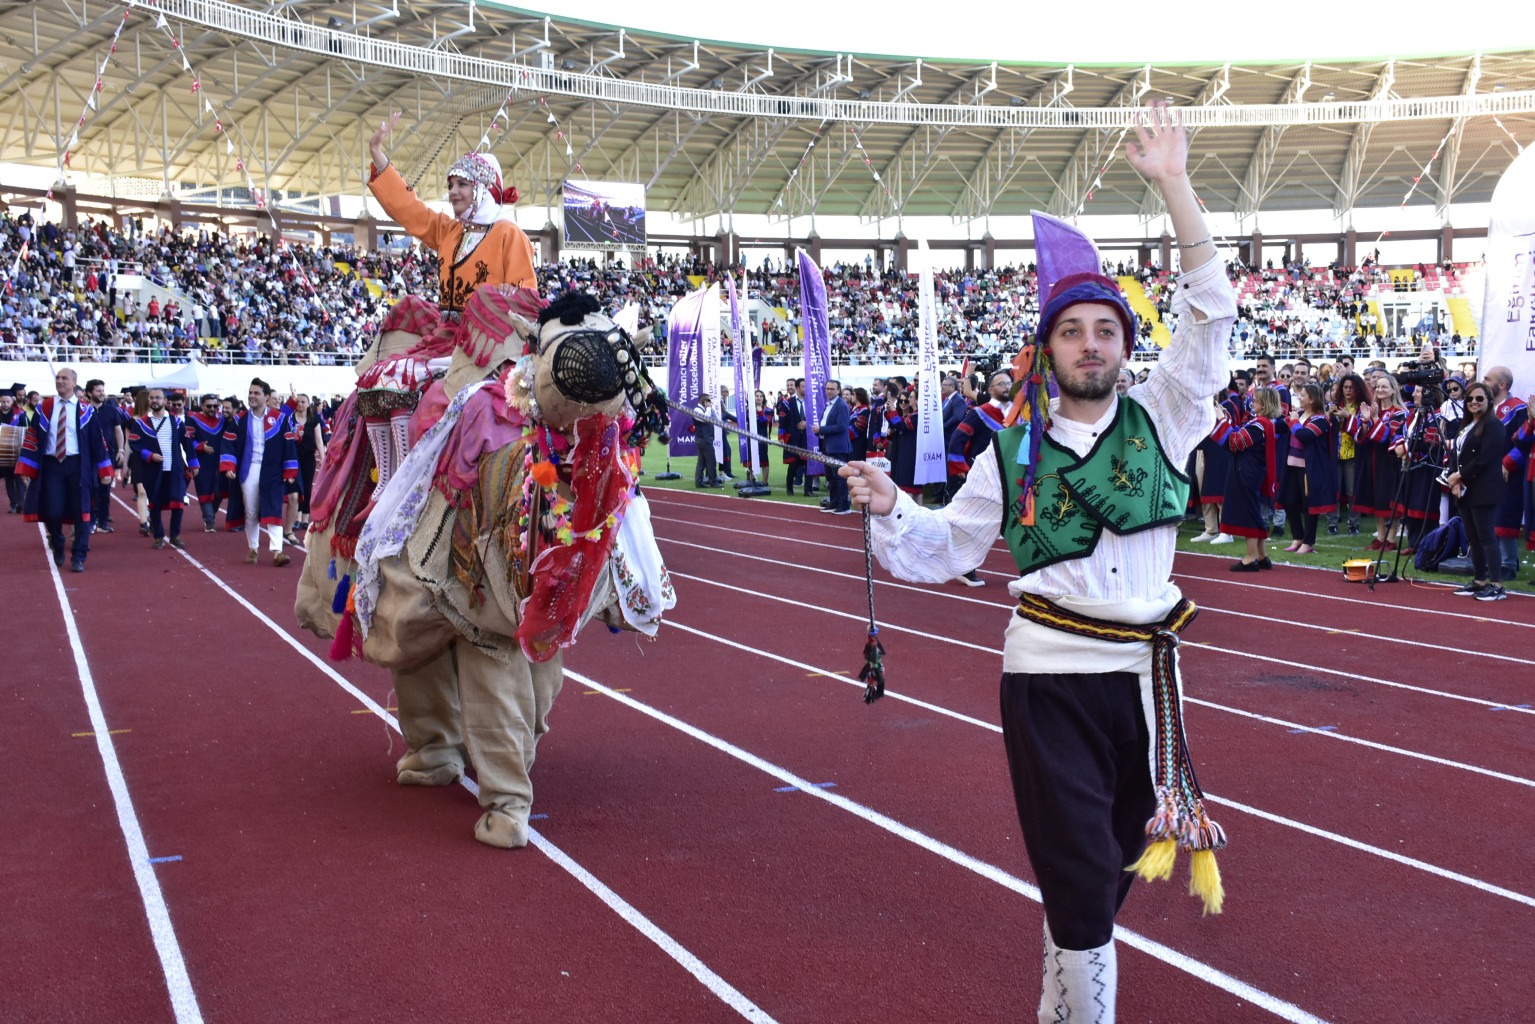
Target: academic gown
[
  {"x": 1254, "y": 477},
  {"x": 164, "y": 482},
  {"x": 278, "y": 469},
  {"x": 74, "y": 497},
  {"x": 1317, "y": 447},
  {"x": 207, "y": 437},
  {"x": 1510, "y": 513}
]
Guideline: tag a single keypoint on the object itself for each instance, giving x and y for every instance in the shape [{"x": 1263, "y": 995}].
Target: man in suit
[
  {"x": 954, "y": 409},
  {"x": 706, "y": 470},
  {"x": 791, "y": 430},
  {"x": 63, "y": 454},
  {"x": 835, "y": 441}
]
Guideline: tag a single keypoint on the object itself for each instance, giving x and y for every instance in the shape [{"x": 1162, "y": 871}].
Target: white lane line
[
  {"x": 1377, "y": 605},
  {"x": 1166, "y": 954},
  {"x": 840, "y": 676},
  {"x": 172, "y": 965},
  {"x": 1331, "y": 733},
  {"x": 1428, "y": 691},
  {"x": 1269, "y": 816},
  {"x": 731, "y": 996},
  {"x": 1412, "y": 862},
  {"x": 854, "y": 549}
]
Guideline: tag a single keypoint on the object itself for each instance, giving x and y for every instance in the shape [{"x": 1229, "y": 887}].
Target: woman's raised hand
[{"x": 376, "y": 141}]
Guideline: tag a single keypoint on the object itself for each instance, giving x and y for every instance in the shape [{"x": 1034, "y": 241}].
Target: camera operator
[
  {"x": 1477, "y": 484},
  {"x": 1421, "y": 448}
]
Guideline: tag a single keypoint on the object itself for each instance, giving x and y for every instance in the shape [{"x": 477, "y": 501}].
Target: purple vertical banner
[
  {"x": 812, "y": 301},
  {"x": 684, "y": 368}
]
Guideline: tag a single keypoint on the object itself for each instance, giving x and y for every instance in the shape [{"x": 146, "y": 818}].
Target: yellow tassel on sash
[
  {"x": 1205, "y": 881},
  {"x": 1157, "y": 861}
]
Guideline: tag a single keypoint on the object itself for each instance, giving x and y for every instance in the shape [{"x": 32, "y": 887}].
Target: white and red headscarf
[{"x": 484, "y": 170}]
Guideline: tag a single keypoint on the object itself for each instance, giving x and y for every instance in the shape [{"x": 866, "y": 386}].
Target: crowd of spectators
[{"x": 231, "y": 299}]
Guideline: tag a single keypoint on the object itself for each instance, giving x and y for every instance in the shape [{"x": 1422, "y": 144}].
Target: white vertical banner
[
  {"x": 629, "y": 319},
  {"x": 712, "y": 355},
  {"x": 745, "y": 376},
  {"x": 1508, "y": 310},
  {"x": 932, "y": 465}
]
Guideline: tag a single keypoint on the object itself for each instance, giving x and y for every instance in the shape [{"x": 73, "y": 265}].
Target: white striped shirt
[{"x": 1133, "y": 571}]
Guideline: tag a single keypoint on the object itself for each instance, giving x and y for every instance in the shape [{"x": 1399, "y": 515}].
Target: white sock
[
  {"x": 399, "y": 429},
  {"x": 381, "y": 438},
  {"x": 1082, "y": 984}
]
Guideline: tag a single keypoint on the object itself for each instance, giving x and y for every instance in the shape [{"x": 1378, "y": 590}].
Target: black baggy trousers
[{"x": 1077, "y": 752}]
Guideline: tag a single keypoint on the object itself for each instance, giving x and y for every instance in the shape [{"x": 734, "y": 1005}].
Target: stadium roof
[{"x": 712, "y": 127}]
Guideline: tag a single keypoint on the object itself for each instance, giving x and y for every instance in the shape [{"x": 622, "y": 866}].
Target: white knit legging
[{"x": 250, "y": 490}]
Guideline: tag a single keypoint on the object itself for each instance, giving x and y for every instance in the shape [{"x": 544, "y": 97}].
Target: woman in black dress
[{"x": 313, "y": 436}]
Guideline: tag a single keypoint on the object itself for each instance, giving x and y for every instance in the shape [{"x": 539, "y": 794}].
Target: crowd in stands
[{"x": 229, "y": 299}]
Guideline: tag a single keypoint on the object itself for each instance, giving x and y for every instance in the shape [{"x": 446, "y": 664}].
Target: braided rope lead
[{"x": 872, "y": 674}]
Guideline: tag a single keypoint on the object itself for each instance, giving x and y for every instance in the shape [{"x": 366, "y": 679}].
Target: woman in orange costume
[{"x": 480, "y": 244}]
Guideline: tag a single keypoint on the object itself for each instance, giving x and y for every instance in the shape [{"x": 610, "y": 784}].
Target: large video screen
[{"x": 604, "y": 215}]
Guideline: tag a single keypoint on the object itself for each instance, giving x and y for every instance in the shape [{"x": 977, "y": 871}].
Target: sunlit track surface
[{"x": 731, "y": 833}]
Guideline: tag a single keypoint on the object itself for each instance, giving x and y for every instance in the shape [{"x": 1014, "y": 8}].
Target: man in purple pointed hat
[{"x": 1089, "y": 491}]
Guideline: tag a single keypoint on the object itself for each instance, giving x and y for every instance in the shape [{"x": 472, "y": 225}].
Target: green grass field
[{"x": 1330, "y": 554}]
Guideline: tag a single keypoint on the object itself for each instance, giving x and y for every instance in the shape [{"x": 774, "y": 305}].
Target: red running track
[{"x": 311, "y": 887}]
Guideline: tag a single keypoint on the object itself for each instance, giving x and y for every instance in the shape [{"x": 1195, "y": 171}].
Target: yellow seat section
[
  {"x": 1146, "y": 310},
  {"x": 1462, "y": 318}
]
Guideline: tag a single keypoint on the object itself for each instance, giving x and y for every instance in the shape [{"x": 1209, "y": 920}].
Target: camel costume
[{"x": 513, "y": 520}]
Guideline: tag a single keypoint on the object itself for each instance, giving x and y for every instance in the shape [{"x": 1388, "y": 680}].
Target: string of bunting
[
  {"x": 1510, "y": 134},
  {"x": 1416, "y": 178},
  {"x": 559, "y": 131},
  {"x": 814, "y": 138},
  {"x": 90, "y": 99},
  {"x": 1098, "y": 177},
  {"x": 858, "y": 141},
  {"x": 230, "y": 150}
]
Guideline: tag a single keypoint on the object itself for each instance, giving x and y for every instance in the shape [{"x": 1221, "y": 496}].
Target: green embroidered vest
[{"x": 1125, "y": 484}]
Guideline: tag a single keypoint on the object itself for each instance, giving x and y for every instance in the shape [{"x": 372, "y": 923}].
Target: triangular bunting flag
[
  {"x": 160, "y": 21},
  {"x": 90, "y": 101},
  {"x": 230, "y": 145},
  {"x": 208, "y": 104},
  {"x": 568, "y": 150},
  {"x": 74, "y": 137}
]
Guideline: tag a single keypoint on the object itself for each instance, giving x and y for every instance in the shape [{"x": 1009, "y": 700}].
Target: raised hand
[
  {"x": 376, "y": 141},
  {"x": 1161, "y": 149}
]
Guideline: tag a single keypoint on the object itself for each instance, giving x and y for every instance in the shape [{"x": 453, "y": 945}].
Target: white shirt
[
  {"x": 163, "y": 439},
  {"x": 66, "y": 415},
  {"x": 258, "y": 445},
  {"x": 1132, "y": 572}
]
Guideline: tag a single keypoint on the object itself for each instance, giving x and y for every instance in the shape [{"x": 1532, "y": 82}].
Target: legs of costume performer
[
  {"x": 390, "y": 439},
  {"x": 429, "y": 716},
  {"x": 1077, "y": 752},
  {"x": 505, "y": 710},
  {"x": 250, "y": 492}
]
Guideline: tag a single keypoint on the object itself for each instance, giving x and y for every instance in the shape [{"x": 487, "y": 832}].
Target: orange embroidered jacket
[{"x": 504, "y": 255}]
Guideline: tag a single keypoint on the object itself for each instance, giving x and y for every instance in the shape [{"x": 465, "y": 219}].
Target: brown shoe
[
  {"x": 250, "y": 557},
  {"x": 281, "y": 558}
]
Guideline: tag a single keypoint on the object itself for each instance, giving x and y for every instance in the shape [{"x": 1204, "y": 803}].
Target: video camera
[{"x": 1429, "y": 375}]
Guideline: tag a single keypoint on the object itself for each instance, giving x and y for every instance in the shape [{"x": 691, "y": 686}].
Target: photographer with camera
[
  {"x": 1421, "y": 449},
  {"x": 1478, "y": 485}
]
